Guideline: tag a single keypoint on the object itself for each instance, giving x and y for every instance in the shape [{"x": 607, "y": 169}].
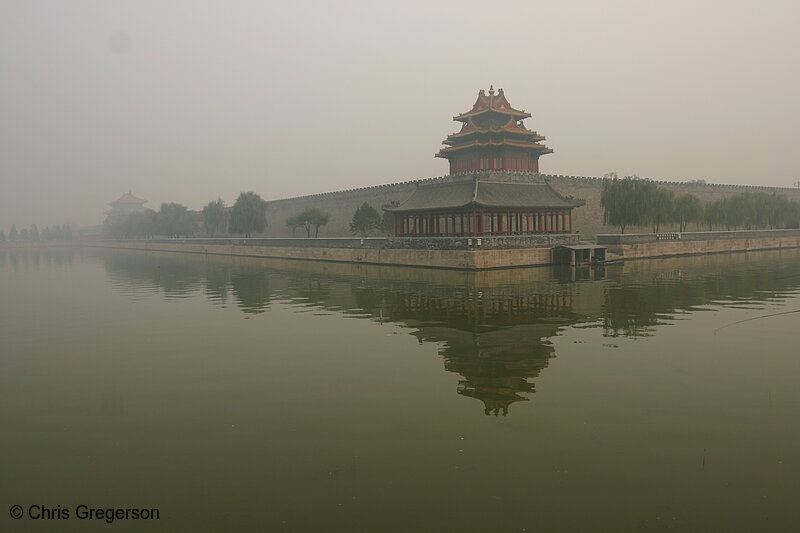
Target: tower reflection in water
[{"x": 493, "y": 327}]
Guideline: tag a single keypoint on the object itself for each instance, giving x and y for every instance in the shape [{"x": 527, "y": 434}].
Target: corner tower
[{"x": 493, "y": 137}]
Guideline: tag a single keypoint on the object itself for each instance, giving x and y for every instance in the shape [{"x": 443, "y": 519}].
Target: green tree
[
  {"x": 365, "y": 220},
  {"x": 23, "y": 234},
  {"x": 214, "y": 216},
  {"x": 624, "y": 200},
  {"x": 2, "y": 236},
  {"x": 688, "y": 208},
  {"x": 713, "y": 215},
  {"x": 316, "y": 218},
  {"x": 735, "y": 209},
  {"x": 143, "y": 224},
  {"x": 47, "y": 234},
  {"x": 175, "y": 219},
  {"x": 249, "y": 214},
  {"x": 12, "y": 233},
  {"x": 34, "y": 232},
  {"x": 293, "y": 222},
  {"x": 309, "y": 218},
  {"x": 660, "y": 206},
  {"x": 188, "y": 223},
  {"x": 779, "y": 211}
]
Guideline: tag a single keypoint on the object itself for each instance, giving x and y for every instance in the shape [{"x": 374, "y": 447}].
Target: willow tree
[
  {"x": 688, "y": 208},
  {"x": 249, "y": 214},
  {"x": 625, "y": 201},
  {"x": 660, "y": 204},
  {"x": 214, "y": 216}
]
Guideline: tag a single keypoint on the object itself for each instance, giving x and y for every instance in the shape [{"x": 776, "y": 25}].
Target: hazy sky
[{"x": 188, "y": 101}]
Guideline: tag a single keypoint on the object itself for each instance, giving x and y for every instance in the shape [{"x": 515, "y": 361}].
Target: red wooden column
[
  {"x": 570, "y": 221},
  {"x": 474, "y": 223}
]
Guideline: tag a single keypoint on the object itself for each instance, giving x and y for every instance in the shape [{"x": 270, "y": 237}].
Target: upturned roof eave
[
  {"x": 538, "y": 148},
  {"x": 469, "y": 205},
  {"x": 492, "y": 131},
  {"x": 512, "y": 112}
]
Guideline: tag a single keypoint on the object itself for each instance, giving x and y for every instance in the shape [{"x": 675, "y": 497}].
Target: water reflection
[
  {"x": 50, "y": 256},
  {"x": 493, "y": 328}
]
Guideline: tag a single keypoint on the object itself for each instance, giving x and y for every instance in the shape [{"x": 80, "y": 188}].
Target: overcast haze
[{"x": 188, "y": 101}]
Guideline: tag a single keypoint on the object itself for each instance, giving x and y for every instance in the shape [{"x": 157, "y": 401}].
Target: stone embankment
[
  {"x": 467, "y": 253},
  {"x": 643, "y": 245},
  {"x": 462, "y": 253}
]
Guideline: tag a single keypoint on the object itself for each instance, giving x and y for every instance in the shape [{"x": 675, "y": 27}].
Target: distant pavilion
[
  {"x": 127, "y": 203},
  {"x": 503, "y": 197}
]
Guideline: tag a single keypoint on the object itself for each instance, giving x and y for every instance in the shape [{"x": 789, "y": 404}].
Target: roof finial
[{"x": 491, "y": 89}]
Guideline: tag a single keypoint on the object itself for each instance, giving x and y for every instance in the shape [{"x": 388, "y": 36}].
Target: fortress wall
[
  {"x": 340, "y": 205},
  {"x": 588, "y": 219}
]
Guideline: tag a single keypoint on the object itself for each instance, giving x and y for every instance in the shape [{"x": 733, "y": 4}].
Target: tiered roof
[
  {"x": 486, "y": 194},
  {"x": 492, "y": 103},
  {"x": 127, "y": 199},
  {"x": 493, "y": 123}
]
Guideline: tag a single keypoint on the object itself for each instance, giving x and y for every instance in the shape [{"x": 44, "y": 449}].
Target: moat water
[{"x": 239, "y": 394}]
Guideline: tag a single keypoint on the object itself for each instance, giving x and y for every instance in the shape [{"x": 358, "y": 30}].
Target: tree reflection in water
[{"x": 493, "y": 327}]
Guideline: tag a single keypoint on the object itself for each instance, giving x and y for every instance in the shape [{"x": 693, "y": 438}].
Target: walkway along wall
[{"x": 587, "y": 220}]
